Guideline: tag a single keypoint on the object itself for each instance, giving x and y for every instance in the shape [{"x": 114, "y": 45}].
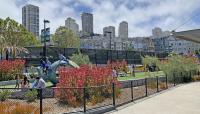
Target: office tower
[
  {"x": 87, "y": 23},
  {"x": 30, "y": 18},
  {"x": 123, "y": 30}
]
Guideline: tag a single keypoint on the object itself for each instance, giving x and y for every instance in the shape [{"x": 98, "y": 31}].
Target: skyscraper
[
  {"x": 87, "y": 23},
  {"x": 110, "y": 29},
  {"x": 72, "y": 25},
  {"x": 30, "y": 18},
  {"x": 123, "y": 30}
]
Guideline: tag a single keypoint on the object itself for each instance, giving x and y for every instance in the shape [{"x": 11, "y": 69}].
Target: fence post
[
  {"x": 40, "y": 93},
  {"x": 84, "y": 99},
  {"x": 146, "y": 87},
  {"x": 190, "y": 75},
  {"x": 132, "y": 91},
  {"x": 157, "y": 83},
  {"x": 113, "y": 90},
  {"x": 166, "y": 82},
  {"x": 174, "y": 79}
]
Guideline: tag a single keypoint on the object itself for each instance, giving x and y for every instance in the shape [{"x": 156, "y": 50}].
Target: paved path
[{"x": 181, "y": 100}]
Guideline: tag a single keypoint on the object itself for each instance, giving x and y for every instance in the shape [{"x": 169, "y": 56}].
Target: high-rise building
[
  {"x": 157, "y": 32},
  {"x": 72, "y": 25},
  {"x": 30, "y": 18},
  {"x": 123, "y": 30},
  {"x": 87, "y": 23},
  {"x": 110, "y": 29}
]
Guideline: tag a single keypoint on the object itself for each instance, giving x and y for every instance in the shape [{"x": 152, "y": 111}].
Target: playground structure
[{"x": 50, "y": 75}]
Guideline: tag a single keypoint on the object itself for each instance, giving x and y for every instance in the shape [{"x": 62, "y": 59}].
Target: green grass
[
  {"x": 48, "y": 84},
  {"x": 141, "y": 75}
]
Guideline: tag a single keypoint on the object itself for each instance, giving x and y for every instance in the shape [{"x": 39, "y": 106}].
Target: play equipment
[{"x": 51, "y": 71}]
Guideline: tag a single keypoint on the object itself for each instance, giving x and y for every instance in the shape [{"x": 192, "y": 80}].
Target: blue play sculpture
[{"x": 51, "y": 71}]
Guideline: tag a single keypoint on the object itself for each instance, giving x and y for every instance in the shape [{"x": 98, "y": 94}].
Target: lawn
[
  {"x": 141, "y": 75},
  {"x": 48, "y": 84}
]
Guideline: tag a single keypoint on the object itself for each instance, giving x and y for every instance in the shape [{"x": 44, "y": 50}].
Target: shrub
[
  {"x": 196, "y": 78},
  {"x": 177, "y": 64},
  {"x": 4, "y": 94},
  {"x": 121, "y": 66},
  {"x": 80, "y": 59},
  {"x": 9, "y": 68},
  {"x": 85, "y": 76},
  {"x": 152, "y": 85},
  {"x": 162, "y": 85},
  {"x": 31, "y": 95}
]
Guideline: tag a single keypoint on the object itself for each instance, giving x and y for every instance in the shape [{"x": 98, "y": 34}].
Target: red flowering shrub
[
  {"x": 85, "y": 76},
  {"x": 119, "y": 65},
  {"x": 9, "y": 68}
]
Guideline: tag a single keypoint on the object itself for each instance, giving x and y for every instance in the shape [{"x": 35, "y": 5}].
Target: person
[
  {"x": 25, "y": 83},
  {"x": 114, "y": 72},
  {"x": 42, "y": 64},
  {"x": 17, "y": 81},
  {"x": 40, "y": 83},
  {"x": 47, "y": 65},
  {"x": 133, "y": 70}
]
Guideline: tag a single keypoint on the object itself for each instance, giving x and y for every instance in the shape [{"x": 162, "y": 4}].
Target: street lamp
[{"x": 45, "y": 46}]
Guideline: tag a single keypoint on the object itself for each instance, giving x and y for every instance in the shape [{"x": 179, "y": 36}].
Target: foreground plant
[
  {"x": 85, "y": 76},
  {"x": 20, "y": 108}
]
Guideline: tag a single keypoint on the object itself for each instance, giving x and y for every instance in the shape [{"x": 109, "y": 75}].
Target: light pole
[{"x": 45, "y": 46}]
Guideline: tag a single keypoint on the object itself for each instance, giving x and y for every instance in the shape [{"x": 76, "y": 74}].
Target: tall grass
[{"x": 19, "y": 108}]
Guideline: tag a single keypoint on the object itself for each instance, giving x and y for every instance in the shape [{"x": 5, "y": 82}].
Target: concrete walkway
[{"x": 184, "y": 99}]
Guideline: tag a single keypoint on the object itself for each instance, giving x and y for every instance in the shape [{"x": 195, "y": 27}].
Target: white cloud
[{"x": 140, "y": 14}]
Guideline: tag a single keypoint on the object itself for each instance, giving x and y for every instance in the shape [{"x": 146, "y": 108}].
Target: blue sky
[{"x": 142, "y": 15}]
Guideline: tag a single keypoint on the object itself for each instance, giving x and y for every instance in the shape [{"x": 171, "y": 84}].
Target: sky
[{"x": 142, "y": 15}]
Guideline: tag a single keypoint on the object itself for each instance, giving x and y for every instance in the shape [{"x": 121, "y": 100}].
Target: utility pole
[{"x": 45, "y": 46}]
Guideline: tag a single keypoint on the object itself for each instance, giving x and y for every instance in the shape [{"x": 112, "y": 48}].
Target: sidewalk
[{"x": 181, "y": 100}]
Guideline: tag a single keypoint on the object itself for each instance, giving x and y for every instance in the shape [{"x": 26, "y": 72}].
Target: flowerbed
[
  {"x": 85, "y": 76},
  {"x": 9, "y": 68}
]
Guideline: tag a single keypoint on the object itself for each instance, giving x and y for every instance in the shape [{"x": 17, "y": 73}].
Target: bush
[
  {"x": 85, "y": 76},
  {"x": 4, "y": 94},
  {"x": 31, "y": 95},
  {"x": 121, "y": 66},
  {"x": 152, "y": 85},
  {"x": 80, "y": 59},
  {"x": 162, "y": 85},
  {"x": 9, "y": 68},
  {"x": 196, "y": 78},
  {"x": 177, "y": 64}
]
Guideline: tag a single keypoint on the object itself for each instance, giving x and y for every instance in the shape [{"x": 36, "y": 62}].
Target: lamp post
[{"x": 45, "y": 46}]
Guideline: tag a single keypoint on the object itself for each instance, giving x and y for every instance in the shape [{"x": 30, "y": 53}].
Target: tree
[
  {"x": 14, "y": 37},
  {"x": 65, "y": 38}
]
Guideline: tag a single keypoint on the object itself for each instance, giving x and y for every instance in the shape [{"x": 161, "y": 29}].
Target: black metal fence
[
  {"x": 97, "y": 56},
  {"x": 48, "y": 102}
]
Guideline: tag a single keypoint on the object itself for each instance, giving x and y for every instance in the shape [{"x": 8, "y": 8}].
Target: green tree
[
  {"x": 14, "y": 37},
  {"x": 65, "y": 38}
]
